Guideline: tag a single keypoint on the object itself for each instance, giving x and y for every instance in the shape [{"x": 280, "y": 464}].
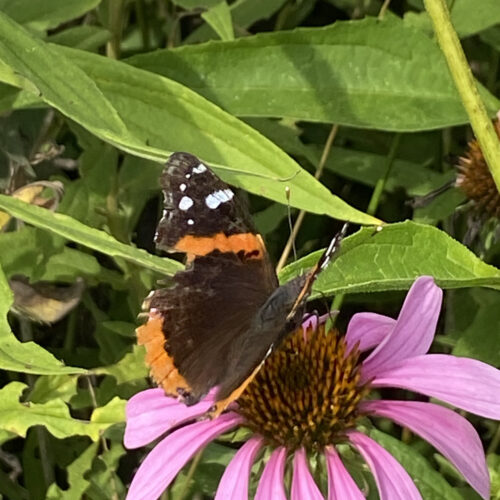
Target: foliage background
[{"x": 97, "y": 93}]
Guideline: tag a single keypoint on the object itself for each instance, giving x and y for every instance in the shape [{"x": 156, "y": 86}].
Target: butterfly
[{"x": 225, "y": 312}]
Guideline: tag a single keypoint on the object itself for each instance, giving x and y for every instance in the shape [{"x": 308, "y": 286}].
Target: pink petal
[
  {"x": 169, "y": 456},
  {"x": 447, "y": 431},
  {"x": 414, "y": 330},
  {"x": 393, "y": 482},
  {"x": 340, "y": 483},
  {"x": 369, "y": 329},
  {"x": 151, "y": 413},
  {"x": 303, "y": 485},
  {"x": 462, "y": 382},
  {"x": 310, "y": 322},
  {"x": 234, "y": 481},
  {"x": 271, "y": 482}
]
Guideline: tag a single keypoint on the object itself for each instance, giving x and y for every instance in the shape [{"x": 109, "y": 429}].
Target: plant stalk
[{"x": 466, "y": 86}]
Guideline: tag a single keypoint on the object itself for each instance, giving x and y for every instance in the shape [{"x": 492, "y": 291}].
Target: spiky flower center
[
  {"x": 476, "y": 181},
  {"x": 307, "y": 393}
]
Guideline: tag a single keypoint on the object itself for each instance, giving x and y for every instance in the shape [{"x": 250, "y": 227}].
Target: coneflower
[
  {"x": 311, "y": 397},
  {"x": 475, "y": 180}
]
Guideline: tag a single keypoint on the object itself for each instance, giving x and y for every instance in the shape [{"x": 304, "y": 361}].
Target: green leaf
[
  {"x": 69, "y": 264},
  {"x": 492, "y": 37},
  {"x": 131, "y": 367},
  {"x": 73, "y": 230},
  {"x": 360, "y": 166},
  {"x": 254, "y": 163},
  {"x": 243, "y": 12},
  {"x": 12, "y": 98},
  {"x": 26, "y": 357},
  {"x": 219, "y": 18},
  {"x": 84, "y": 37},
  {"x": 467, "y": 19},
  {"x": 494, "y": 469},
  {"x": 193, "y": 4},
  {"x": 18, "y": 417},
  {"x": 391, "y": 259},
  {"x": 153, "y": 106},
  {"x": 62, "y": 387},
  {"x": 66, "y": 87},
  {"x": 76, "y": 478},
  {"x": 46, "y": 14},
  {"x": 368, "y": 168},
  {"x": 111, "y": 413},
  {"x": 430, "y": 483},
  {"x": 6, "y": 436},
  {"x": 104, "y": 480},
  {"x": 357, "y": 73},
  {"x": 10, "y": 489},
  {"x": 479, "y": 340}
]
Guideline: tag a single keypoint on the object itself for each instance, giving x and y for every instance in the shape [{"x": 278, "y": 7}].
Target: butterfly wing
[{"x": 197, "y": 327}]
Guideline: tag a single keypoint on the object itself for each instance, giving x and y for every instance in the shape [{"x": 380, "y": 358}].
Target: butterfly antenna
[
  {"x": 290, "y": 224},
  {"x": 426, "y": 199},
  {"x": 333, "y": 247}
]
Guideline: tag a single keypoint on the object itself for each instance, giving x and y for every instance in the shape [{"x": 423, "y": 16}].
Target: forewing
[{"x": 197, "y": 204}]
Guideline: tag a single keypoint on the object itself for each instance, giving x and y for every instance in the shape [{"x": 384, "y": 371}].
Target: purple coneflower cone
[
  {"x": 398, "y": 358},
  {"x": 475, "y": 180}
]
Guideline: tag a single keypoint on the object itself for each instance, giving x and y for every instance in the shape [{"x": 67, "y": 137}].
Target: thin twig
[
  {"x": 302, "y": 213},
  {"x": 383, "y": 9}
]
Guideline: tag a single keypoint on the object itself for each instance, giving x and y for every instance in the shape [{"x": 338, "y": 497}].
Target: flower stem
[
  {"x": 492, "y": 448},
  {"x": 379, "y": 187},
  {"x": 115, "y": 21},
  {"x": 190, "y": 474},
  {"x": 466, "y": 86},
  {"x": 300, "y": 218}
]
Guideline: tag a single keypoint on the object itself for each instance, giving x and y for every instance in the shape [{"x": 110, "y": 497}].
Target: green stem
[
  {"x": 492, "y": 448},
  {"x": 142, "y": 21},
  {"x": 190, "y": 474},
  {"x": 372, "y": 208},
  {"x": 115, "y": 21},
  {"x": 466, "y": 86},
  {"x": 379, "y": 187}
]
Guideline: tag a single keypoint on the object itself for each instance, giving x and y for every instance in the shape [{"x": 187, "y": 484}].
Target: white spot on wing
[
  {"x": 218, "y": 197},
  {"x": 187, "y": 176},
  {"x": 199, "y": 169},
  {"x": 190, "y": 222},
  {"x": 186, "y": 203},
  {"x": 182, "y": 187}
]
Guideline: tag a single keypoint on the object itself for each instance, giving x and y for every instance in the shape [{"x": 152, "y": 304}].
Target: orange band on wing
[
  {"x": 163, "y": 370},
  {"x": 250, "y": 243}
]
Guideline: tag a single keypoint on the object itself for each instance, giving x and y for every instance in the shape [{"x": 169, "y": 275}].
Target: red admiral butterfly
[{"x": 226, "y": 311}]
